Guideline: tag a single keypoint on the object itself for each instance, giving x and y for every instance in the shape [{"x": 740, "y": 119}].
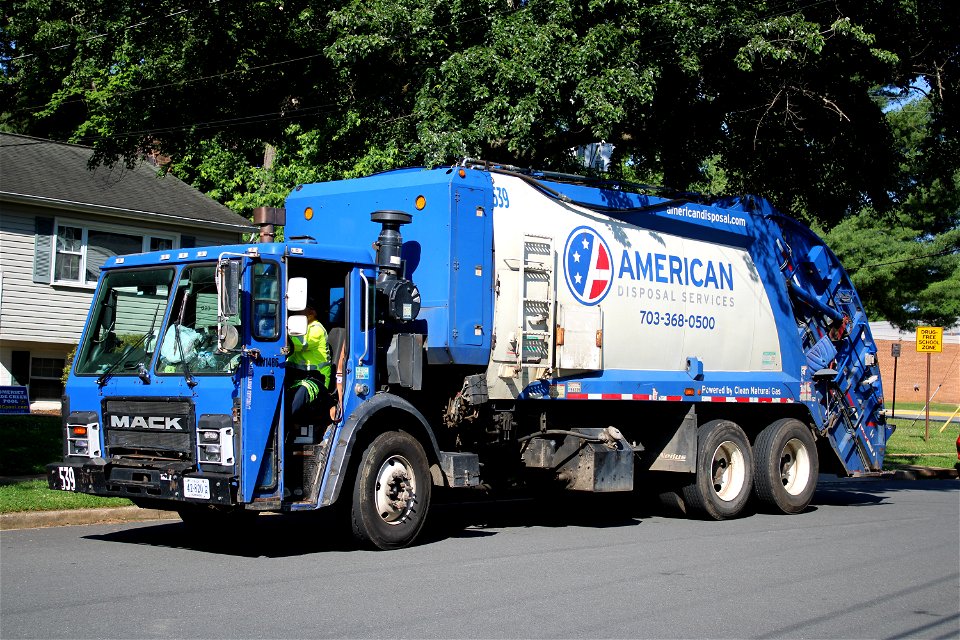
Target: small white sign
[{"x": 196, "y": 488}]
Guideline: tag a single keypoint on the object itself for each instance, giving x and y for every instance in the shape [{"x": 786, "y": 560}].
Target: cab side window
[{"x": 266, "y": 301}]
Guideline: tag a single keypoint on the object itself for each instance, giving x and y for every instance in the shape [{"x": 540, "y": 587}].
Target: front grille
[
  {"x": 139, "y": 444},
  {"x": 142, "y": 429}
]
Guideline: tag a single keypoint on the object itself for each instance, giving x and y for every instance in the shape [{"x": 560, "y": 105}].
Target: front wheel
[
  {"x": 724, "y": 471},
  {"x": 391, "y": 495},
  {"x": 787, "y": 466}
]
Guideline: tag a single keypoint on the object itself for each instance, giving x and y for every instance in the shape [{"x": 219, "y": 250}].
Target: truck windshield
[
  {"x": 125, "y": 322},
  {"x": 189, "y": 344}
]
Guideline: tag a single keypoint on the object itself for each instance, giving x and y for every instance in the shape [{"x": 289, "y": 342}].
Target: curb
[
  {"x": 921, "y": 473},
  {"x": 106, "y": 515}
]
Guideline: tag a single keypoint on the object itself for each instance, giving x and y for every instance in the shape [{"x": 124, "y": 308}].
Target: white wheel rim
[
  {"x": 729, "y": 471},
  {"x": 396, "y": 489},
  {"x": 794, "y": 467}
]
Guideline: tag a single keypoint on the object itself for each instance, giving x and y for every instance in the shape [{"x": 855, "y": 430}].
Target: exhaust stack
[
  {"x": 402, "y": 296},
  {"x": 266, "y": 218}
]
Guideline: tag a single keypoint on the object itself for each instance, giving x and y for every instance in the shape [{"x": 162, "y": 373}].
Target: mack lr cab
[{"x": 487, "y": 325}]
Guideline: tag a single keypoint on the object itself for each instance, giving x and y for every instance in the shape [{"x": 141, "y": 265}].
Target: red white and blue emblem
[{"x": 588, "y": 267}]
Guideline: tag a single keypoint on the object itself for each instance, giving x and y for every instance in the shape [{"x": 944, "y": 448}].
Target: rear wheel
[
  {"x": 724, "y": 471},
  {"x": 391, "y": 495},
  {"x": 787, "y": 466}
]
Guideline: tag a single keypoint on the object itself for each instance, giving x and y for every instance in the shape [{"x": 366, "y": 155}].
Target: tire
[
  {"x": 724, "y": 476},
  {"x": 391, "y": 495},
  {"x": 787, "y": 466}
]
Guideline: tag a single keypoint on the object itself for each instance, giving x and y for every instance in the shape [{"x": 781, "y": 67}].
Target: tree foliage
[
  {"x": 790, "y": 99},
  {"x": 905, "y": 261}
]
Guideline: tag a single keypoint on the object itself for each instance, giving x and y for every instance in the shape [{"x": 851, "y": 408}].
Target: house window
[
  {"x": 81, "y": 251},
  {"x": 45, "y": 378},
  {"x": 161, "y": 244},
  {"x": 69, "y": 252}
]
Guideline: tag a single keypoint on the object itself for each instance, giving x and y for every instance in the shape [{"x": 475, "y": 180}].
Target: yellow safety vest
[{"x": 311, "y": 352}]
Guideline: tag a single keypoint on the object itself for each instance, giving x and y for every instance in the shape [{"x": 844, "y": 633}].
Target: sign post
[
  {"x": 929, "y": 341},
  {"x": 895, "y": 353}
]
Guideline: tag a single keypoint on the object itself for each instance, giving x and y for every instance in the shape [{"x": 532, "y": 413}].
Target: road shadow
[
  {"x": 265, "y": 536},
  {"x": 474, "y": 514},
  {"x": 868, "y": 491},
  {"x": 484, "y": 514},
  {"x": 298, "y": 534}
]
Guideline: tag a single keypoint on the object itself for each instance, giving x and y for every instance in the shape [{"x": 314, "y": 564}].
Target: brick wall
[{"x": 912, "y": 373}]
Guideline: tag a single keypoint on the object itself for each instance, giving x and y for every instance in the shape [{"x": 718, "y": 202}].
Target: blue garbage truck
[{"x": 487, "y": 326}]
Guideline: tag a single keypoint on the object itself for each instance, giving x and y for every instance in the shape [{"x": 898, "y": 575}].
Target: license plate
[{"x": 196, "y": 488}]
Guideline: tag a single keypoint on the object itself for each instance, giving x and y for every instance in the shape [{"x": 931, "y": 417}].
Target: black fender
[{"x": 340, "y": 460}]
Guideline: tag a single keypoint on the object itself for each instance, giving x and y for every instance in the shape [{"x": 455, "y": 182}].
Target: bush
[
  {"x": 67, "y": 365},
  {"x": 29, "y": 443}
]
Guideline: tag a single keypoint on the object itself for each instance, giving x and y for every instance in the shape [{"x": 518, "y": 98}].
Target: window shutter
[
  {"x": 43, "y": 247},
  {"x": 20, "y": 367},
  {"x": 188, "y": 242}
]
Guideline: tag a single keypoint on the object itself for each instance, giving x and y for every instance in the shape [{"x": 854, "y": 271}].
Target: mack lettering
[{"x": 146, "y": 422}]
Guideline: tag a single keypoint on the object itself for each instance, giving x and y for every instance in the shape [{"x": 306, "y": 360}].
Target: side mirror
[
  {"x": 228, "y": 288},
  {"x": 296, "y": 294},
  {"x": 297, "y": 325},
  {"x": 108, "y": 317}
]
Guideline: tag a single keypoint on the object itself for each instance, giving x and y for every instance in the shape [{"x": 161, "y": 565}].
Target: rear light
[{"x": 83, "y": 440}]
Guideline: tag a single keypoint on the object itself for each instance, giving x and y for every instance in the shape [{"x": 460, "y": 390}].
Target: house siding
[
  {"x": 47, "y": 319},
  {"x": 28, "y": 310}
]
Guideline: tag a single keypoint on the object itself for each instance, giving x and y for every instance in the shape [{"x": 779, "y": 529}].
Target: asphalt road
[{"x": 870, "y": 559}]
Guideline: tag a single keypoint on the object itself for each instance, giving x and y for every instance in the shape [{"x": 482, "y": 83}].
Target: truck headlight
[
  {"x": 83, "y": 440},
  {"x": 215, "y": 446}
]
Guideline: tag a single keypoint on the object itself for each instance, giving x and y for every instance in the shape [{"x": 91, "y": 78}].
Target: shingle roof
[{"x": 39, "y": 168}]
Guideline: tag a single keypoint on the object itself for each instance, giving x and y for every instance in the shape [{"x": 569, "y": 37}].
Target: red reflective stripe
[{"x": 645, "y": 396}]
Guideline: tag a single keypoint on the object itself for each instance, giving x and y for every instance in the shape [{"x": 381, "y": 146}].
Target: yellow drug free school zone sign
[{"x": 929, "y": 339}]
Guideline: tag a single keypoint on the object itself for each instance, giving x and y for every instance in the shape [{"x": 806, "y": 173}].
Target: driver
[{"x": 308, "y": 365}]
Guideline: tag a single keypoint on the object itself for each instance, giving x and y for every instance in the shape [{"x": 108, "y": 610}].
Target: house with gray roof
[{"x": 59, "y": 222}]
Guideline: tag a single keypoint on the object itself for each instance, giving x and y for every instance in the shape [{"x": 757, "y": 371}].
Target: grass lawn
[
  {"x": 33, "y": 495},
  {"x": 907, "y": 446}
]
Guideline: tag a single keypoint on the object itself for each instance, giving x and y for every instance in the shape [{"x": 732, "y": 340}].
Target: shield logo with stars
[{"x": 588, "y": 266}]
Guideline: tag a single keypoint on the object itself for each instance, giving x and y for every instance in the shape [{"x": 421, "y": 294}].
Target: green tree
[
  {"x": 905, "y": 261},
  {"x": 785, "y": 98}
]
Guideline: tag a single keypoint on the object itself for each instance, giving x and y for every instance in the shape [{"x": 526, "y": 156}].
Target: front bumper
[{"x": 141, "y": 482}]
